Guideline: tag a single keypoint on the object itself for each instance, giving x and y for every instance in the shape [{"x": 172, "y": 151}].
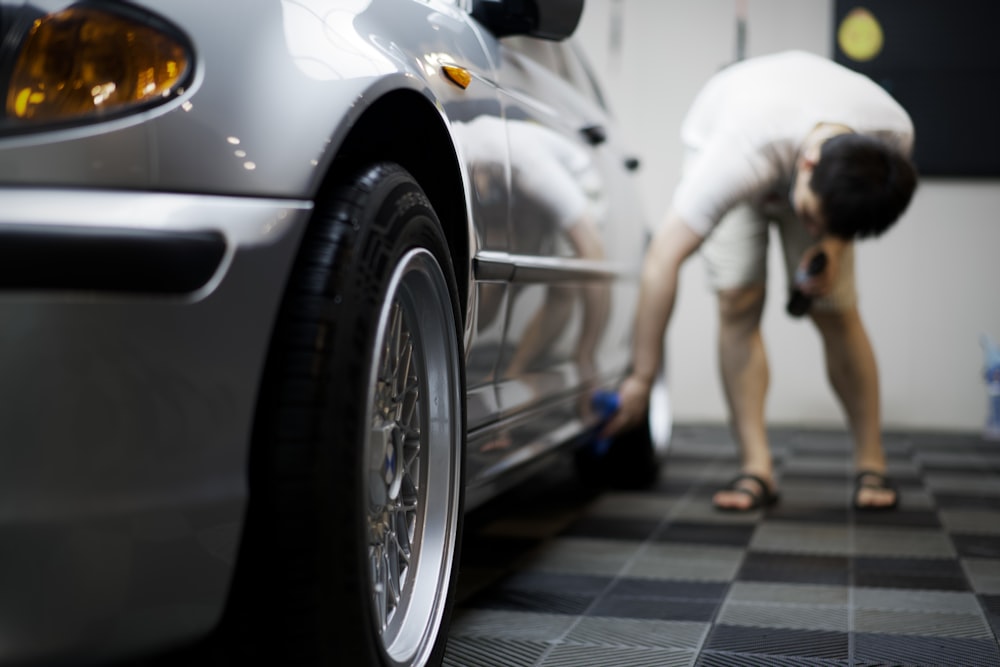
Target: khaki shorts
[{"x": 735, "y": 253}]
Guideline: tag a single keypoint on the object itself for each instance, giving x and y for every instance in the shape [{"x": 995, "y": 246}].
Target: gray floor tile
[
  {"x": 574, "y": 555},
  {"x": 685, "y": 562},
  {"x": 812, "y": 493},
  {"x": 978, "y": 484},
  {"x": 914, "y": 600},
  {"x": 984, "y": 574},
  {"x": 571, "y": 655},
  {"x": 805, "y": 538},
  {"x": 510, "y": 625},
  {"x": 598, "y": 631},
  {"x": 792, "y": 594},
  {"x": 916, "y": 499},
  {"x": 797, "y": 616},
  {"x": 490, "y": 652},
  {"x": 701, "y": 510},
  {"x": 901, "y": 542},
  {"x": 975, "y": 522}
]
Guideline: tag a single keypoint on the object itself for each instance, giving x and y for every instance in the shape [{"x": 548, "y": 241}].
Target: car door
[{"x": 575, "y": 229}]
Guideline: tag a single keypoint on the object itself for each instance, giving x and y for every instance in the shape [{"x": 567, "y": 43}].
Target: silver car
[{"x": 285, "y": 287}]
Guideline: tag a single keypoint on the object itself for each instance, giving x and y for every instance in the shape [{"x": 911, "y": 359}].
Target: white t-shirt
[{"x": 745, "y": 128}]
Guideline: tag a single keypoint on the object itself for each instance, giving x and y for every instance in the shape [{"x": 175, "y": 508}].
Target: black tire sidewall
[{"x": 308, "y": 508}]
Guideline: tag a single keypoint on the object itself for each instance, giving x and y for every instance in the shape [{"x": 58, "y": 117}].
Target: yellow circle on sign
[{"x": 860, "y": 35}]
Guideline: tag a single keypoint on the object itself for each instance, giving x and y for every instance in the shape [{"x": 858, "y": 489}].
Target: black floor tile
[
  {"x": 821, "y": 515},
  {"x": 541, "y": 602},
  {"x": 916, "y": 651},
  {"x": 954, "y": 501},
  {"x": 991, "y": 608},
  {"x": 613, "y": 528},
  {"x": 672, "y": 488},
  {"x": 977, "y": 546},
  {"x": 975, "y": 469},
  {"x": 682, "y": 590},
  {"x": 705, "y": 533},
  {"x": 899, "y": 517},
  {"x": 664, "y": 609},
  {"x": 793, "y": 568},
  {"x": 487, "y": 551},
  {"x": 935, "y": 574},
  {"x": 554, "y": 582},
  {"x": 724, "y": 659}
]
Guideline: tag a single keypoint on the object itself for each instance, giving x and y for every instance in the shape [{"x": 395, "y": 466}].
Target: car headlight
[{"x": 88, "y": 62}]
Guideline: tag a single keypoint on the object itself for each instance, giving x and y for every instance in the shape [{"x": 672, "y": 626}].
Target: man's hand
[
  {"x": 633, "y": 395},
  {"x": 822, "y": 283}
]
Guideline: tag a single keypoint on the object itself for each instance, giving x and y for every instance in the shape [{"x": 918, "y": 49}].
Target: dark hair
[{"x": 864, "y": 185}]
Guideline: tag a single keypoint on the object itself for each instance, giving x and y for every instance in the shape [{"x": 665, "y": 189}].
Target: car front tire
[{"x": 350, "y": 551}]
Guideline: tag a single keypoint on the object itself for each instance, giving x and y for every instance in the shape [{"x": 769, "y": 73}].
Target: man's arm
[{"x": 671, "y": 245}]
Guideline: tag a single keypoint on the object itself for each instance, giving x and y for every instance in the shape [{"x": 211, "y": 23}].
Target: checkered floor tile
[{"x": 556, "y": 574}]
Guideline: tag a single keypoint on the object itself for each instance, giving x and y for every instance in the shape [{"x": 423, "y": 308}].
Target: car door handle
[{"x": 594, "y": 134}]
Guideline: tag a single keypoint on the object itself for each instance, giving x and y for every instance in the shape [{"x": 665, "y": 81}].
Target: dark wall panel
[{"x": 941, "y": 60}]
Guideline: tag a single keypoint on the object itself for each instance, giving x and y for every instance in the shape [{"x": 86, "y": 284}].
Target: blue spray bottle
[
  {"x": 605, "y": 404},
  {"x": 991, "y": 373}
]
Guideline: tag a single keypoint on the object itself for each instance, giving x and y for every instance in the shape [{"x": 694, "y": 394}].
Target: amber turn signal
[
  {"x": 85, "y": 61},
  {"x": 457, "y": 75}
]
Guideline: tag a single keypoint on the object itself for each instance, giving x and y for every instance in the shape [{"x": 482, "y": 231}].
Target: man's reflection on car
[{"x": 557, "y": 209}]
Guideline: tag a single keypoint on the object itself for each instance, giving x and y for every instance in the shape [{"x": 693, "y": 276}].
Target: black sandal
[
  {"x": 762, "y": 498},
  {"x": 872, "y": 479}
]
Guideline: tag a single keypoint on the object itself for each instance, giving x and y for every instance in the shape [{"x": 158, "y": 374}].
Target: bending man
[{"x": 794, "y": 140}]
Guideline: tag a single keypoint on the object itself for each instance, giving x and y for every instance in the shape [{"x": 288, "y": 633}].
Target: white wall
[{"x": 928, "y": 288}]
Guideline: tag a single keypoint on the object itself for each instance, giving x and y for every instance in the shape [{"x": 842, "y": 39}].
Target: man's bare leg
[
  {"x": 745, "y": 378},
  {"x": 853, "y": 373}
]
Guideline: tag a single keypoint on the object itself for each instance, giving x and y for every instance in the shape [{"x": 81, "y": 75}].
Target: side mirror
[{"x": 545, "y": 19}]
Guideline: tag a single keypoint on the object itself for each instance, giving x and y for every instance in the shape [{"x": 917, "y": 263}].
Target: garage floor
[{"x": 557, "y": 575}]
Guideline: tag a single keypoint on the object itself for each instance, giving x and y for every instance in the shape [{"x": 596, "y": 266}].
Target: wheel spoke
[
  {"x": 403, "y": 528},
  {"x": 388, "y": 365},
  {"x": 394, "y": 588},
  {"x": 409, "y": 401},
  {"x": 397, "y": 351},
  {"x": 378, "y": 577},
  {"x": 403, "y": 376},
  {"x": 411, "y": 451}
]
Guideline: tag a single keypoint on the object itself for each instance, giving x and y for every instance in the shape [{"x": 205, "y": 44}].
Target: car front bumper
[{"x": 133, "y": 333}]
